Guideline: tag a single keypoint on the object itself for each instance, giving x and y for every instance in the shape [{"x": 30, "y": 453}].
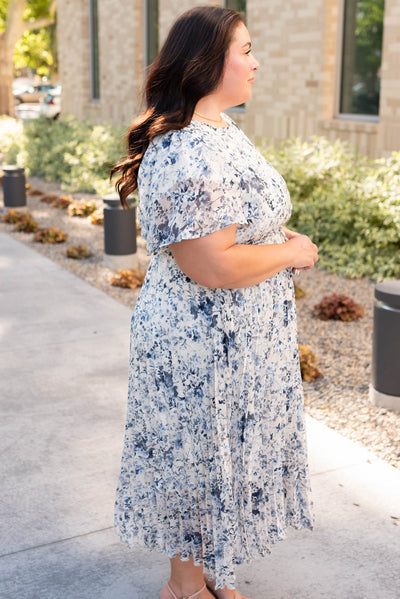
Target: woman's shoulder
[{"x": 190, "y": 152}]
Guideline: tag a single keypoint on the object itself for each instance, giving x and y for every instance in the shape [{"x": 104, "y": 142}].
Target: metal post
[
  {"x": 119, "y": 233},
  {"x": 14, "y": 192},
  {"x": 385, "y": 388}
]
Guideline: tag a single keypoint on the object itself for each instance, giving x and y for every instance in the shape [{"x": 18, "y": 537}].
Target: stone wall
[
  {"x": 389, "y": 121},
  {"x": 288, "y": 41},
  {"x": 296, "y": 90},
  {"x": 121, "y": 59}
]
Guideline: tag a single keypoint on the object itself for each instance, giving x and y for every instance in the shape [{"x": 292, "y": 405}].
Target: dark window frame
[
  {"x": 151, "y": 31},
  {"x": 240, "y": 6},
  {"x": 358, "y": 77},
  {"x": 94, "y": 51}
]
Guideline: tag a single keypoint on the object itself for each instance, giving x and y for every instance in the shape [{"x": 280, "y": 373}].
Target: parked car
[
  {"x": 31, "y": 93},
  {"x": 50, "y": 105}
]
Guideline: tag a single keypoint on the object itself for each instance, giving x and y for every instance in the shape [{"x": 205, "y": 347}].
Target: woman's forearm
[
  {"x": 245, "y": 265},
  {"x": 215, "y": 260}
]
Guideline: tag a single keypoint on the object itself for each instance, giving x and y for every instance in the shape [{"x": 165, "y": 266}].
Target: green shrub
[
  {"x": 76, "y": 154},
  {"x": 11, "y": 140},
  {"x": 348, "y": 205}
]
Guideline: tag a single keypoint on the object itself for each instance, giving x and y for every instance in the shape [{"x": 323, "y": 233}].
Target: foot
[
  {"x": 166, "y": 594},
  {"x": 224, "y": 593}
]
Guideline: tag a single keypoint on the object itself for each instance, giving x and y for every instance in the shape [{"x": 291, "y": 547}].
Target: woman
[{"x": 214, "y": 466}]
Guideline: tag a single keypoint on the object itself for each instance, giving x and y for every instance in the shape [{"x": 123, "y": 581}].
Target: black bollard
[
  {"x": 119, "y": 233},
  {"x": 385, "y": 388},
  {"x": 14, "y": 192}
]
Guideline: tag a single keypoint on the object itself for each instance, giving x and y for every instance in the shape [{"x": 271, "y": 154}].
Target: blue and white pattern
[{"x": 215, "y": 460}]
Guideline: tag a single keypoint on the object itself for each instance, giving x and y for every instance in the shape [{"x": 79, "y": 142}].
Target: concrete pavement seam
[{"x": 85, "y": 534}]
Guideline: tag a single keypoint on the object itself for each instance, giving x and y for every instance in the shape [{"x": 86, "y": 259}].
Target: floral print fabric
[{"x": 214, "y": 464}]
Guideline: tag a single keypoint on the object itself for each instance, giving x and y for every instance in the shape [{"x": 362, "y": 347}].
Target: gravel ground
[{"x": 339, "y": 398}]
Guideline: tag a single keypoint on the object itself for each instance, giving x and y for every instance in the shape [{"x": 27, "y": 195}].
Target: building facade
[{"x": 330, "y": 67}]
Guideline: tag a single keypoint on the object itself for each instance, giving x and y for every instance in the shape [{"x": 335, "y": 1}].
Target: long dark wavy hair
[{"x": 189, "y": 66}]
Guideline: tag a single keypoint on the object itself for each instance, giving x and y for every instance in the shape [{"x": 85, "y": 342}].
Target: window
[
  {"x": 239, "y": 5},
  {"x": 94, "y": 50},
  {"x": 151, "y": 30},
  {"x": 361, "y": 57}
]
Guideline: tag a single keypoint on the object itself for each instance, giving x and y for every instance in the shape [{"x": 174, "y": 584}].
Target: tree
[{"x": 16, "y": 17}]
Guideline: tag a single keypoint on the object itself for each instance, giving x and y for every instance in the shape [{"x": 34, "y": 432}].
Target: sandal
[
  {"x": 237, "y": 594},
  {"x": 186, "y": 596}
]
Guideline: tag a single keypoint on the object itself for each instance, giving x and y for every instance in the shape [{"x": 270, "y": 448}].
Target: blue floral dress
[{"x": 214, "y": 464}]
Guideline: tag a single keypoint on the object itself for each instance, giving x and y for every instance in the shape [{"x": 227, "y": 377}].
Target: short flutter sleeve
[{"x": 185, "y": 191}]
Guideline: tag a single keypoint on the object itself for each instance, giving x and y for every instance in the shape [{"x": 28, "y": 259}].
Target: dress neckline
[{"x": 209, "y": 125}]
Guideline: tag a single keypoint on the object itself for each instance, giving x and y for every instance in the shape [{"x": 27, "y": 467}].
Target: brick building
[{"x": 328, "y": 67}]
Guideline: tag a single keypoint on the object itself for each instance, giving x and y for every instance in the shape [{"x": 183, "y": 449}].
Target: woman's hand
[
  {"x": 305, "y": 252},
  {"x": 289, "y": 233}
]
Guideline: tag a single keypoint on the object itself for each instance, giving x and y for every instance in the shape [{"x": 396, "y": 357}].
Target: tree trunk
[
  {"x": 6, "y": 79},
  {"x": 15, "y": 27},
  {"x": 13, "y": 31}
]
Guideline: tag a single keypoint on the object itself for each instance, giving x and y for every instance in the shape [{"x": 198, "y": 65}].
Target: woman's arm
[{"x": 215, "y": 260}]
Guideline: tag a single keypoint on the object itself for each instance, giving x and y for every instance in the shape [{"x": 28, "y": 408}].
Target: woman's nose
[{"x": 256, "y": 65}]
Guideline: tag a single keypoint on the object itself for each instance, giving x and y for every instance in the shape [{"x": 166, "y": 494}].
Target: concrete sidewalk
[{"x": 63, "y": 382}]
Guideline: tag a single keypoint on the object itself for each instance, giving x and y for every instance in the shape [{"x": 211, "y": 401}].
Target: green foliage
[
  {"x": 338, "y": 307},
  {"x": 348, "y": 205},
  {"x": 11, "y": 140},
  {"x": 34, "y": 10},
  {"x": 369, "y": 32},
  {"x": 3, "y": 14},
  {"x": 37, "y": 49},
  {"x": 77, "y": 154},
  {"x": 34, "y": 50}
]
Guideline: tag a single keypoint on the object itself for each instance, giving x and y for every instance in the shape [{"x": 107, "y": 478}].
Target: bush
[
  {"x": 97, "y": 217},
  {"x": 348, "y": 205},
  {"x": 338, "y": 307},
  {"x": 76, "y": 154},
  {"x": 50, "y": 235},
  {"x": 130, "y": 279},
  {"x": 78, "y": 252},
  {"x": 26, "y": 225},
  {"x": 62, "y": 203},
  {"x": 82, "y": 208},
  {"x": 308, "y": 364},
  {"x": 298, "y": 292},
  {"x": 12, "y": 216},
  {"x": 11, "y": 140}
]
